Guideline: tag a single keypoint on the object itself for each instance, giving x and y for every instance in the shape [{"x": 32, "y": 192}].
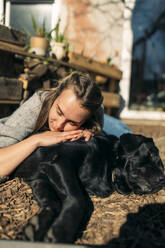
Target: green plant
[
  {"x": 2, "y": 20},
  {"x": 59, "y": 37},
  {"x": 109, "y": 60},
  {"x": 40, "y": 31}
]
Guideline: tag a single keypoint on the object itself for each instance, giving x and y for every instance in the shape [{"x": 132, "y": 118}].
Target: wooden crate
[
  {"x": 13, "y": 36},
  {"x": 10, "y": 89}
]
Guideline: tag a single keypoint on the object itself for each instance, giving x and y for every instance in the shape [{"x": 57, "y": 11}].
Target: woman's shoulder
[
  {"x": 22, "y": 121},
  {"x": 35, "y": 101}
]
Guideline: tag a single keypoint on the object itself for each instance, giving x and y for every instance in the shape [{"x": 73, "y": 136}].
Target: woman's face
[{"x": 66, "y": 114}]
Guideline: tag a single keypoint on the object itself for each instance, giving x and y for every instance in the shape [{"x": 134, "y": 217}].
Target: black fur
[{"x": 64, "y": 175}]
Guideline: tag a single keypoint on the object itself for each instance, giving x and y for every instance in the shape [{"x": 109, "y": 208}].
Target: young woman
[{"x": 68, "y": 112}]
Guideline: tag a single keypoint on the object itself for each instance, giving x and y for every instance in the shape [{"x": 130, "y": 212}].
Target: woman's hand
[
  {"x": 87, "y": 134},
  {"x": 84, "y": 133},
  {"x": 48, "y": 138}
]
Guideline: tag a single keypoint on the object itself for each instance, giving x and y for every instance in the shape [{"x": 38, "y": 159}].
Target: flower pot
[
  {"x": 58, "y": 49},
  {"x": 39, "y": 45}
]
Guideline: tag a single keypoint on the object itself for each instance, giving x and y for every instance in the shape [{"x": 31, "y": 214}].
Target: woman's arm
[{"x": 12, "y": 156}]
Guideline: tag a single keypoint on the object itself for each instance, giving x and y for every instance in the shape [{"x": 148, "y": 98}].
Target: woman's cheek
[
  {"x": 69, "y": 127},
  {"x": 52, "y": 124},
  {"x": 52, "y": 120}
]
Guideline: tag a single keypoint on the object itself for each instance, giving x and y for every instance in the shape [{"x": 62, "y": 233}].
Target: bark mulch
[
  {"x": 133, "y": 221},
  {"x": 17, "y": 206}
]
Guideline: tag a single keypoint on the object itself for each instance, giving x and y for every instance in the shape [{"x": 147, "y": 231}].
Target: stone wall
[{"x": 94, "y": 28}]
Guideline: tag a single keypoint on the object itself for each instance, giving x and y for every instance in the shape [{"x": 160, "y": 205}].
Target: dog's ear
[
  {"x": 119, "y": 181},
  {"x": 130, "y": 142}
]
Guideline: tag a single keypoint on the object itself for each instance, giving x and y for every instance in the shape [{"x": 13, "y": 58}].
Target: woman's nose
[{"x": 60, "y": 124}]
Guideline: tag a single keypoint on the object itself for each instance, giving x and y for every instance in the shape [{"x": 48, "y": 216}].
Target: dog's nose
[
  {"x": 145, "y": 187},
  {"x": 162, "y": 179}
]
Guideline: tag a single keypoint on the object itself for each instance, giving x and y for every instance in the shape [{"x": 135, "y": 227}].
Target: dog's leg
[
  {"x": 39, "y": 224},
  {"x": 74, "y": 204}
]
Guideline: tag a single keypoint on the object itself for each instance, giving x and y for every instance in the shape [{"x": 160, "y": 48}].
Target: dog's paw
[
  {"x": 38, "y": 225},
  {"x": 57, "y": 234},
  {"x": 31, "y": 228},
  {"x": 60, "y": 233},
  {"x": 49, "y": 237}
]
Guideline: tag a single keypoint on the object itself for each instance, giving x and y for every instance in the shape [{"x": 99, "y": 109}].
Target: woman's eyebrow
[
  {"x": 63, "y": 115},
  {"x": 60, "y": 109}
]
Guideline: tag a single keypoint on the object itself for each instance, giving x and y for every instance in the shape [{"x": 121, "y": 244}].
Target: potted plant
[
  {"x": 59, "y": 43},
  {"x": 40, "y": 42}
]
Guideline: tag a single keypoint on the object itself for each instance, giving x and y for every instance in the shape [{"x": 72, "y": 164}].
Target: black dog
[
  {"x": 62, "y": 176},
  {"x": 139, "y": 168}
]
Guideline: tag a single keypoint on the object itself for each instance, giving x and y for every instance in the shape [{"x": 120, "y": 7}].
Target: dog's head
[{"x": 139, "y": 168}]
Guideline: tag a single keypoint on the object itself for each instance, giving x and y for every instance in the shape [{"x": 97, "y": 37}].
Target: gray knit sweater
[{"x": 22, "y": 122}]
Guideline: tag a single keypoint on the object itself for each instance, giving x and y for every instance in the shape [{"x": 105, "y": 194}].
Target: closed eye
[
  {"x": 73, "y": 123},
  {"x": 59, "y": 112}
]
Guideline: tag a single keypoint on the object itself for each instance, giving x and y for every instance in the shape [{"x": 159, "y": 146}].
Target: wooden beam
[
  {"x": 9, "y": 102},
  {"x": 111, "y": 100},
  {"x": 76, "y": 61},
  {"x": 21, "y": 51},
  {"x": 4, "y": 46},
  {"x": 94, "y": 66}
]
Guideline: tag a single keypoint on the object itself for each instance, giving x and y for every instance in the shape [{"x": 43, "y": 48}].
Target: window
[
  {"x": 143, "y": 81},
  {"x": 147, "y": 91},
  {"x": 18, "y": 13},
  {"x": 31, "y": 1}
]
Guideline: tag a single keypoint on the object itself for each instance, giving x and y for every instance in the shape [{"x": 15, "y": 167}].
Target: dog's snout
[{"x": 162, "y": 179}]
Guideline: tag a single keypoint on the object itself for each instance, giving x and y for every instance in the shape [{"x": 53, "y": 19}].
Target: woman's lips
[{"x": 53, "y": 128}]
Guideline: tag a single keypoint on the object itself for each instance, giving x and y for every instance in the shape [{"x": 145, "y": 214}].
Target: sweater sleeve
[{"x": 21, "y": 123}]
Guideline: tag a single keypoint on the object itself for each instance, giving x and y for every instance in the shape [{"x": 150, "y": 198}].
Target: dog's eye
[
  {"x": 151, "y": 154},
  {"x": 134, "y": 175},
  {"x": 142, "y": 170}
]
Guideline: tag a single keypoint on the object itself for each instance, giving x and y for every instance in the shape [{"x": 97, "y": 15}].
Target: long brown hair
[{"x": 86, "y": 91}]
